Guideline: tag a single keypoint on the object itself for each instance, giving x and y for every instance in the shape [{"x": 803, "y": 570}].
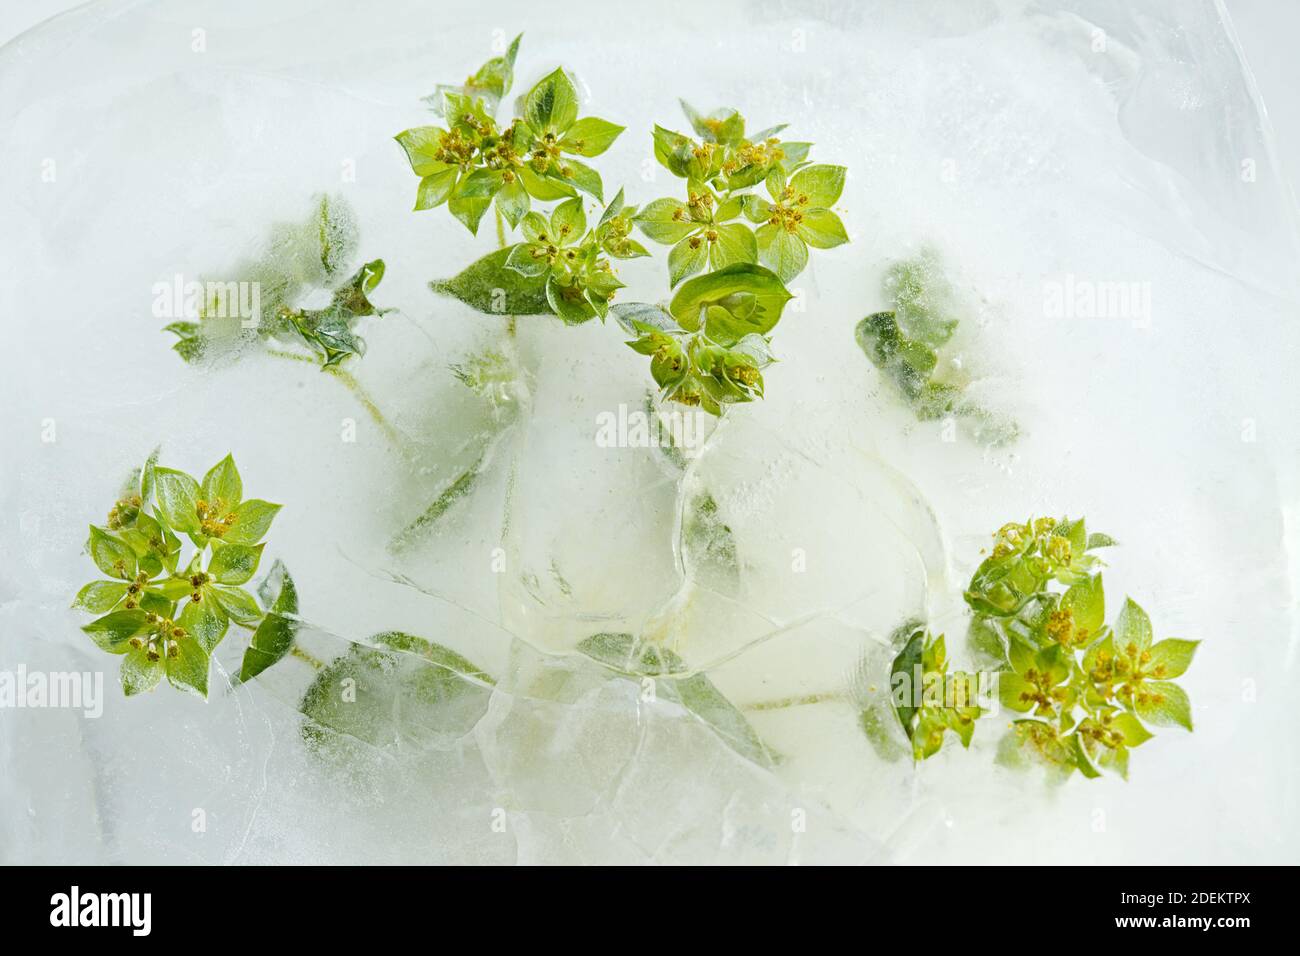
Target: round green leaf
[
  {"x": 188, "y": 670},
  {"x": 1134, "y": 733},
  {"x": 436, "y": 188},
  {"x": 111, "y": 554},
  {"x": 590, "y": 136},
  {"x": 1164, "y": 704},
  {"x": 113, "y": 631},
  {"x": 584, "y": 177},
  {"x": 665, "y": 220},
  {"x": 686, "y": 258},
  {"x": 139, "y": 673},
  {"x": 822, "y": 229},
  {"x": 781, "y": 251},
  {"x": 178, "y": 496},
  {"x": 544, "y": 188},
  {"x": 822, "y": 184},
  {"x": 252, "y": 520},
  {"x": 552, "y": 104},
  {"x": 1086, "y": 600},
  {"x": 421, "y": 145},
  {"x": 205, "y": 622},
  {"x": 238, "y": 604},
  {"x": 525, "y": 259},
  {"x": 567, "y": 302},
  {"x": 99, "y": 596},
  {"x": 1010, "y": 687},
  {"x": 1172, "y": 654},
  {"x": 234, "y": 563},
  {"x": 568, "y": 221},
  {"x": 513, "y": 202},
  {"x": 1133, "y": 626},
  {"x": 735, "y": 243}
]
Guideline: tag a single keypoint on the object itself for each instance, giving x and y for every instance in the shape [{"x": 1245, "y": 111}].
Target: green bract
[
  {"x": 701, "y": 231},
  {"x": 165, "y": 618}
]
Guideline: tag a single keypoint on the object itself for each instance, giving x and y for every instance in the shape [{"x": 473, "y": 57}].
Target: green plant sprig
[
  {"x": 299, "y": 259},
  {"x": 907, "y": 343},
  {"x": 1089, "y": 691},
  {"x": 476, "y": 161},
  {"x": 166, "y": 615},
  {"x": 719, "y": 170},
  {"x": 946, "y": 702},
  {"x": 709, "y": 347}
]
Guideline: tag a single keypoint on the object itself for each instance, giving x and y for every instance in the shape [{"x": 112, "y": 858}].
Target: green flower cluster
[
  {"x": 166, "y": 616},
  {"x": 719, "y": 168},
  {"x": 709, "y": 346},
  {"x": 928, "y": 700},
  {"x": 475, "y": 161},
  {"x": 1089, "y": 690},
  {"x": 563, "y": 253}
]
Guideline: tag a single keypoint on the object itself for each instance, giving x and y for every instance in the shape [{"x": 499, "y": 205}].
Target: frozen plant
[
  {"x": 166, "y": 615},
  {"x": 909, "y": 344},
  {"x": 708, "y": 347},
  {"x": 943, "y": 702},
  {"x": 1088, "y": 691},
  {"x": 299, "y": 260}
]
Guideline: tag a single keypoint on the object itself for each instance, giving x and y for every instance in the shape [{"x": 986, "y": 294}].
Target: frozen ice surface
[{"x": 1033, "y": 144}]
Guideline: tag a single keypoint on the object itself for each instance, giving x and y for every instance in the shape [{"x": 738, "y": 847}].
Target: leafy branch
[
  {"x": 166, "y": 615},
  {"x": 708, "y": 349},
  {"x": 910, "y": 343},
  {"x": 300, "y": 260},
  {"x": 1089, "y": 691}
]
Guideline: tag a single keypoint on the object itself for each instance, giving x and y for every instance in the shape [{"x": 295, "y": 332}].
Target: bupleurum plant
[
  {"x": 940, "y": 702},
  {"x": 1089, "y": 691},
  {"x": 709, "y": 346},
  {"x": 911, "y": 344},
  {"x": 165, "y": 613},
  {"x": 750, "y": 209},
  {"x": 300, "y": 261}
]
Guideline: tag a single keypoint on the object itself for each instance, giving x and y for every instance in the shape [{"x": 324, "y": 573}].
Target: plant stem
[
  {"x": 792, "y": 701},
  {"x": 344, "y": 376},
  {"x": 302, "y": 655},
  {"x": 501, "y": 244},
  {"x": 450, "y": 495}
]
